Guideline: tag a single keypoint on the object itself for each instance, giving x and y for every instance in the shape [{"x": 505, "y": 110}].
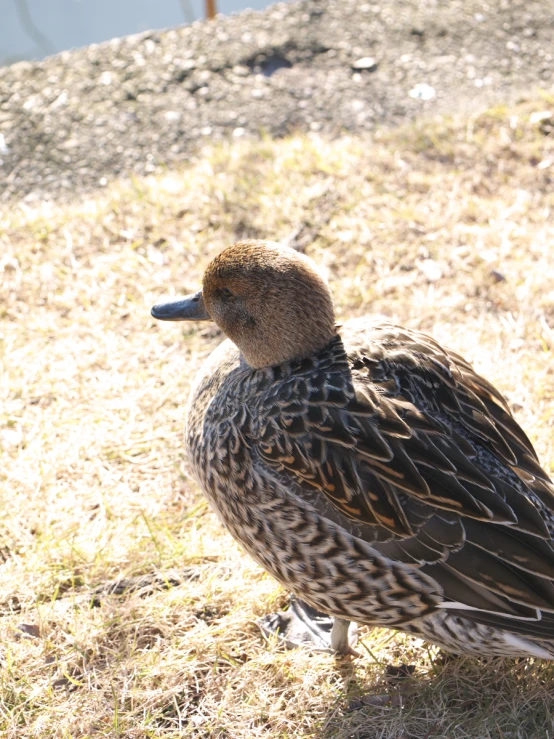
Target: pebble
[
  {"x": 422, "y": 91},
  {"x": 367, "y": 62},
  {"x": 28, "y": 630}
]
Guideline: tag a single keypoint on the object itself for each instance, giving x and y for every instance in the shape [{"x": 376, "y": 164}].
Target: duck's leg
[
  {"x": 304, "y": 626},
  {"x": 341, "y": 633}
]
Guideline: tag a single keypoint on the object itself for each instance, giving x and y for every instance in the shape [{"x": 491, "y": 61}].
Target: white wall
[{"x": 66, "y": 24}]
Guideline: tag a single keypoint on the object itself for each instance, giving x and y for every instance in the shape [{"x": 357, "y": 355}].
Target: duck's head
[{"x": 271, "y": 301}]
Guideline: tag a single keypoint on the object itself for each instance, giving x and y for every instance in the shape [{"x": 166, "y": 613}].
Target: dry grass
[{"x": 421, "y": 224}]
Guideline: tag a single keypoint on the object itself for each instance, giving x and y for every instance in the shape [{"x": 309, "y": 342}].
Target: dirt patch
[{"x": 143, "y": 103}]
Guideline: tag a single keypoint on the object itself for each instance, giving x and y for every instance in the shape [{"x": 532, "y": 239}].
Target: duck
[{"x": 369, "y": 470}]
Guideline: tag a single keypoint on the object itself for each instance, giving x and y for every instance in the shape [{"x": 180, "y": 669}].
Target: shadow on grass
[{"x": 457, "y": 698}]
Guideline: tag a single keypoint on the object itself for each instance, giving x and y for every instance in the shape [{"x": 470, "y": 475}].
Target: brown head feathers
[{"x": 271, "y": 301}]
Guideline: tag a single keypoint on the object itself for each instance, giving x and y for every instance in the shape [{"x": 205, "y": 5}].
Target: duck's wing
[{"x": 404, "y": 437}]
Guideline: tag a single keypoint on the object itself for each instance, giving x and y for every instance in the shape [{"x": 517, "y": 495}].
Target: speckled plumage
[{"x": 383, "y": 481}]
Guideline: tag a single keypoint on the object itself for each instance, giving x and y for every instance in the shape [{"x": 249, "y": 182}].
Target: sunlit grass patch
[{"x": 126, "y": 610}]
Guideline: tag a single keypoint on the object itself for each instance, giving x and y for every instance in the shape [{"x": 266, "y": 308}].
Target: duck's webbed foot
[{"x": 304, "y": 626}]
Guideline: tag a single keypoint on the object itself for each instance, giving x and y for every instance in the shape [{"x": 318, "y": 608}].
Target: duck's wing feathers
[{"x": 405, "y": 438}]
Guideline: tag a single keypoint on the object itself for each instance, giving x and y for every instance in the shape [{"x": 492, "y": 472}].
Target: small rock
[
  {"x": 60, "y": 101},
  {"x": 483, "y": 82},
  {"x": 497, "y": 276},
  {"x": 544, "y": 119},
  {"x": 368, "y": 63},
  {"x": 29, "y": 630},
  {"x": 540, "y": 116},
  {"x": 31, "y": 102},
  {"x": 422, "y": 91},
  {"x": 186, "y": 65}
]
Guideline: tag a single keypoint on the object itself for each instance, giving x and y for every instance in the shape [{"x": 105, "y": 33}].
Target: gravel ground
[{"x": 139, "y": 104}]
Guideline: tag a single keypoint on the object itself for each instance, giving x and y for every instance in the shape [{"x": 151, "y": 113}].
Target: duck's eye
[{"x": 226, "y": 293}]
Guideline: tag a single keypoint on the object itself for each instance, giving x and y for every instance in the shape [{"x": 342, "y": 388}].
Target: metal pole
[{"x": 211, "y": 9}]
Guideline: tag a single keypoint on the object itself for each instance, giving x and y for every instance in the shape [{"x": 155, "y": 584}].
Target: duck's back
[{"x": 384, "y": 481}]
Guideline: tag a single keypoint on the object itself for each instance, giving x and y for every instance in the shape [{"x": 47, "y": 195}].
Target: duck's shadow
[{"x": 445, "y": 697}]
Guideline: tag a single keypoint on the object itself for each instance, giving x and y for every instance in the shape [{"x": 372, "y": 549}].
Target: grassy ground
[{"x": 126, "y": 611}]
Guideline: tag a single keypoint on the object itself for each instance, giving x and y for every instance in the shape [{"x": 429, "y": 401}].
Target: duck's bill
[{"x": 189, "y": 308}]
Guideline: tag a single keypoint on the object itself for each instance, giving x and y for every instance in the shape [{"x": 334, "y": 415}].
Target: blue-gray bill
[{"x": 189, "y": 308}]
